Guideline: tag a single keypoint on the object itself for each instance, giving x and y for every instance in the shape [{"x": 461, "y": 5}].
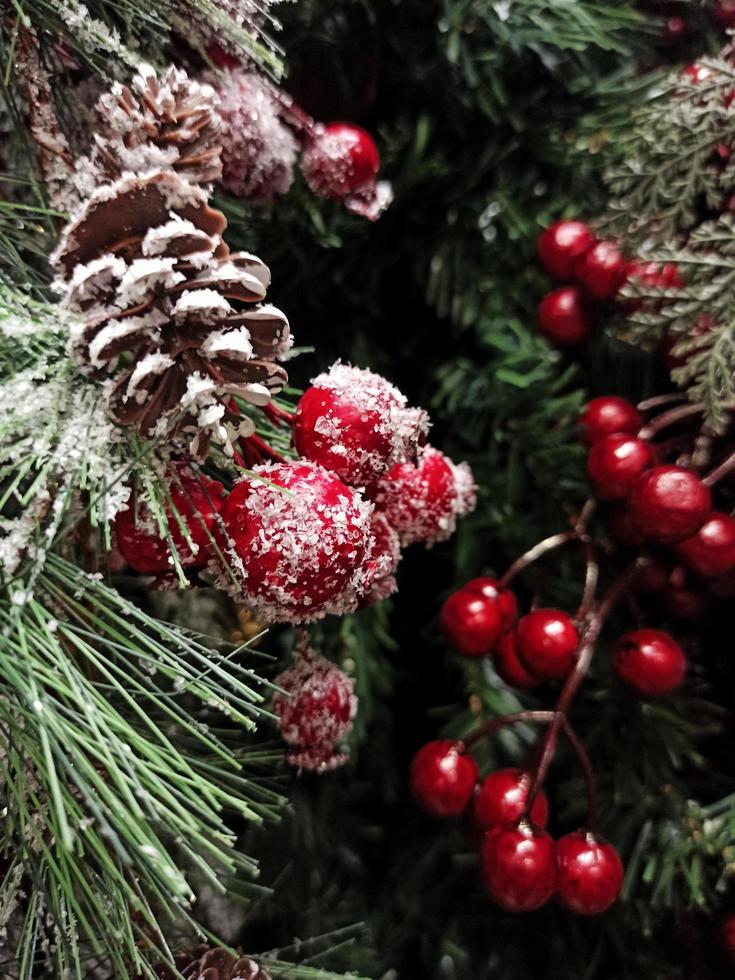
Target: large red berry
[
  {"x": 669, "y": 503},
  {"x": 607, "y": 415},
  {"x": 602, "y": 271},
  {"x": 297, "y": 538},
  {"x": 563, "y": 317},
  {"x": 443, "y": 778},
  {"x": 509, "y": 667},
  {"x": 342, "y": 158},
  {"x": 615, "y": 462},
  {"x": 471, "y": 623},
  {"x": 500, "y": 800},
  {"x": 519, "y": 867},
  {"x": 561, "y": 245},
  {"x": 590, "y": 873},
  {"x": 650, "y": 661},
  {"x": 356, "y": 424},
  {"x": 196, "y": 500},
  {"x": 711, "y": 551},
  {"x": 546, "y": 641},
  {"x": 491, "y": 589}
]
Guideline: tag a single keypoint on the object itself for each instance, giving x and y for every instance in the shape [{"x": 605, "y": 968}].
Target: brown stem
[
  {"x": 658, "y": 400},
  {"x": 672, "y": 416},
  {"x": 550, "y": 544},
  {"x": 725, "y": 467},
  {"x": 591, "y": 578},
  {"x": 587, "y": 772},
  {"x": 278, "y": 416},
  {"x": 502, "y": 721}
]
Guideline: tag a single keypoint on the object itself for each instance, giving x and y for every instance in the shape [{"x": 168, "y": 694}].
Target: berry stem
[
  {"x": 670, "y": 417},
  {"x": 591, "y": 578},
  {"x": 725, "y": 467},
  {"x": 502, "y": 721},
  {"x": 278, "y": 415},
  {"x": 576, "y": 533},
  {"x": 587, "y": 772},
  {"x": 659, "y": 400}
]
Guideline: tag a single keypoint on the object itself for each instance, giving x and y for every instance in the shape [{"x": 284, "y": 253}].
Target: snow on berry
[
  {"x": 315, "y": 708},
  {"x": 423, "y": 502},
  {"x": 296, "y": 538},
  {"x": 258, "y": 150},
  {"x": 341, "y": 159},
  {"x": 357, "y": 424}
]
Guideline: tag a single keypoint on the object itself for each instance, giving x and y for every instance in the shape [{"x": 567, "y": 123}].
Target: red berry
[
  {"x": 298, "y": 553},
  {"x": 669, "y": 503},
  {"x": 492, "y": 589},
  {"x": 423, "y": 502},
  {"x": 443, "y": 778},
  {"x": 519, "y": 867},
  {"x": 711, "y": 551},
  {"x": 197, "y": 502},
  {"x": 546, "y": 640},
  {"x": 315, "y": 708},
  {"x": 675, "y": 30},
  {"x": 651, "y": 662},
  {"x": 615, "y": 462},
  {"x": 342, "y": 158},
  {"x": 723, "y": 11},
  {"x": 607, "y": 415},
  {"x": 509, "y": 667},
  {"x": 651, "y": 578},
  {"x": 590, "y": 873},
  {"x": 696, "y": 73},
  {"x": 381, "y": 563},
  {"x": 563, "y": 317},
  {"x": 471, "y": 623},
  {"x": 602, "y": 271},
  {"x": 727, "y": 935},
  {"x": 561, "y": 245},
  {"x": 356, "y": 424},
  {"x": 500, "y": 800}
]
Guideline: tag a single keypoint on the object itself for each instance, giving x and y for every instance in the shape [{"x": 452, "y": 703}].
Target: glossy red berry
[
  {"x": 590, "y": 873},
  {"x": 519, "y": 867},
  {"x": 546, "y": 641},
  {"x": 669, "y": 503},
  {"x": 607, "y": 415},
  {"x": 472, "y": 623},
  {"x": 443, "y": 778},
  {"x": 602, "y": 271},
  {"x": 696, "y": 73},
  {"x": 509, "y": 667},
  {"x": 563, "y": 317},
  {"x": 342, "y": 158},
  {"x": 491, "y": 589},
  {"x": 615, "y": 462},
  {"x": 650, "y": 662},
  {"x": 561, "y": 245},
  {"x": 501, "y": 798},
  {"x": 723, "y": 11},
  {"x": 711, "y": 551}
]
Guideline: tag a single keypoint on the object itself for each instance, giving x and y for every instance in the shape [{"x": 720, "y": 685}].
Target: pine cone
[
  {"x": 145, "y": 264},
  {"x": 171, "y": 122},
  {"x": 218, "y": 964}
]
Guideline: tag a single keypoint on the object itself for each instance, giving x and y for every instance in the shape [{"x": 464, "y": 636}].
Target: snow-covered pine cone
[
  {"x": 167, "y": 311},
  {"x": 171, "y": 122},
  {"x": 216, "y": 964}
]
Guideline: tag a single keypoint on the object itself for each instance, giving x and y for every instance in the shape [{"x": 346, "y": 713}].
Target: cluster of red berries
[
  {"x": 592, "y": 272},
  {"x": 522, "y": 866}
]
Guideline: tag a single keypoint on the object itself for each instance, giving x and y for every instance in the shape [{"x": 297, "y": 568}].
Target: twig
[
  {"x": 725, "y": 467},
  {"x": 665, "y": 419}
]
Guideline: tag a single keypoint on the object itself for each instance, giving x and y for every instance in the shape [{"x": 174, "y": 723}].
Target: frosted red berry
[
  {"x": 546, "y": 641},
  {"x": 563, "y": 317},
  {"x": 197, "y": 500},
  {"x": 650, "y": 662},
  {"x": 711, "y": 551},
  {"x": 608, "y": 415},
  {"x": 315, "y": 709},
  {"x": 669, "y": 503},
  {"x": 443, "y": 778},
  {"x": 296, "y": 538},
  {"x": 615, "y": 462},
  {"x": 423, "y": 501},
  {"x": 561, "y": 245},
  {"x": 379, "y": 569},
  {"x": 509, "y": 667},
  {"x": 501, "y": 797},
  {"x": 519, "y": 867},
  {"x": 472, "y": 623},
  {"x": 341, "y": 158},
  {"x": 357, "y": 424},
  {"x": 601, "y": 271},
  {"x": 590, "y": 873}
]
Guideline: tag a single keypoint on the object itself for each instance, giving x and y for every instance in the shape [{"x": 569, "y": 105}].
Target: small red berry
[
  {"x": 590, "y": 873},
  {"x": 563, "y": 317},
  {"x": 607, "y": 415},
  {"x": 509, "y": 667},
  {"x": 500, "y": 800},
  {"x": 615, "y": 463},
  {"x": 443, "y": 778},
  {"x": 723, "y": 11},
  {"x": 492, "y": 589},
  {"x": 696, "y": 73},
  {"x": 519, "y": 867},
  {"x": 650, "y": 661},
  {"x": 342, "y": 158},
  {"x": 669, "y": 503},
  {"x": 711, "y": 551},
  {"x": 561, "y": 245},
  {"x": 602, "y": 271},
  {"x": 472, "y": 623},
  {"x": 547, "y": 642},
  {"x": 675, "y": 30}
]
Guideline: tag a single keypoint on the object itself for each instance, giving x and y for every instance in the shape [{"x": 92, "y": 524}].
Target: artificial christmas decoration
[
  {"x": 509, "y": 666},
  {"x": 501, "y": 797},
  {"x": 590, "y": 873},
  {"x": 615, "y": 462},
  {"x": 609, "y": 416},
  {"x": 561, "y": 246},
  {"x": 546, "y": 643},
  {"x": 216, "y": 964},
  {"x": 601, "y": 271},
  {"x": 474, "y": 618},
  {"x": 711, "y": 551},
  {"x": 669, "y": 503},
  {"x": 341, "y": 159},
  {"x": 649, "y": 661},
  {"x": 519, "y": 867},
  {"x": 443, "y": 778},
  {"x": 564, "y": 317}
]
